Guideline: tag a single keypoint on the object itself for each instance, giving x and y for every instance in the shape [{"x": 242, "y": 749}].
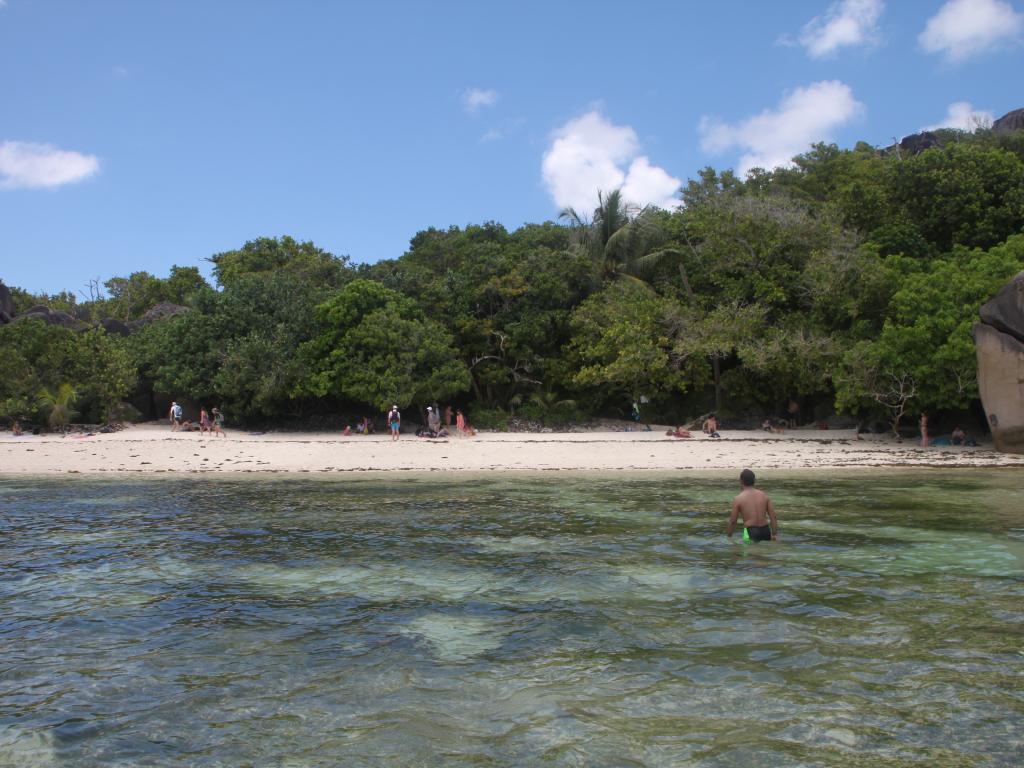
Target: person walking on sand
[
  {"x": 394, "y": 422},
  {"x": 174, "y": 416},
  {"x": 218, "y": 423},
  {"x": 204, "y": 422},
  {"x": 754, "y": 506},
  {"x": 460, "y": 422},
  {"x": 924, "y": 429}
]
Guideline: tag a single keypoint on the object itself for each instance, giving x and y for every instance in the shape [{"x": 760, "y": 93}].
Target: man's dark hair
[{"x": 747, "y": 478}]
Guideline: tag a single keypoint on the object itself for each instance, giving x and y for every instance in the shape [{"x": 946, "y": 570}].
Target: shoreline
[{"x": 152, "y": 449}]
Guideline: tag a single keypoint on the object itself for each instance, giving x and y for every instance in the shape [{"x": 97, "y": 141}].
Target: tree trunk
[{"x": 686, "y": 282}]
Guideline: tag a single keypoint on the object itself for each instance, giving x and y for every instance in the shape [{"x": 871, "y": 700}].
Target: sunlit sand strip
[{"x": 152, "y": 449}]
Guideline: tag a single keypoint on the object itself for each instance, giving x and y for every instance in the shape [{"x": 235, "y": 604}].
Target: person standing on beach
[
  {"x": 754, "y": 506},
  {"x": 218, "y": 423},
  {"x": 174, "y": 416},
  {"x": 204, "y": 422},
  {"x": 394, "y": 422}
]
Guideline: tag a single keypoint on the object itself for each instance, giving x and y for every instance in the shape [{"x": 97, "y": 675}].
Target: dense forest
[{"x": 847, "y": 284}]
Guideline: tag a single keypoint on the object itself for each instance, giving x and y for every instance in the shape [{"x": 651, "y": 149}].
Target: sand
[{"x": 153, "y": 448}]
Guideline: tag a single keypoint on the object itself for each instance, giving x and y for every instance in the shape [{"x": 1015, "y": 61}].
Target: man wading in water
[{"x": 756, "y": 509}]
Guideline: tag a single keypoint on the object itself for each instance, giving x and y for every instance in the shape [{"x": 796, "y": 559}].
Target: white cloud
[
  {"x": 27, "y": 165},
  {"x": 845, "y": 23},
  {"x": 473, "y": 99},
  {"x": 590, "y": 154},
  {"x": 962, "y": 116},
  {"x": 963, "y": 28},
  {"x": 772, "y": 138}
]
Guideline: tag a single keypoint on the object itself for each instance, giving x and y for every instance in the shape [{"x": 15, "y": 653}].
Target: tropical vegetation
[{"x": 847, "y": 283}]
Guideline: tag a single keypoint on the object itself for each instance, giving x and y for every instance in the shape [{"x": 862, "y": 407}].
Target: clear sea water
[{"x": 557, "y": 619}]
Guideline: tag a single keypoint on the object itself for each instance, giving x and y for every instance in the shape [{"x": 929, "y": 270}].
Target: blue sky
[{"x": 137, "y": 135}]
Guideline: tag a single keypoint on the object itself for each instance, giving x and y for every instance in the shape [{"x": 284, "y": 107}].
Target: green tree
[
  {"x": 622, "y": 240},
  {"x": 925, "y": 346},
  {"x": 129, "y": 298},
  {"x": 622, "y": 346},
  {"x": 305, "y": 262},
  {"x": 39, "y": 356},
  {"x": 58, "y": 405},
  {"x": 376, "y": 346},
  {"x": 238, "y": 348}
]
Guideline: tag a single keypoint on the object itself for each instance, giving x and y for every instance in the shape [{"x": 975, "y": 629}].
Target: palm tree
[
  {"x": 623, "y": 241},
  {"x": 628, "y": 243},
  {"x": 59, "y": 404}
]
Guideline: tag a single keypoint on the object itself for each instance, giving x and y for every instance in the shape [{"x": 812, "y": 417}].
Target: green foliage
[
  {"x": 375, "y": 346},
  {"x": 488, "y": 418},
  {"x": 129, "y": 298},
  {"x": 926, "y": 339},
  {"x": 23, "y": 300},
  {"x": 963, "y": 194},
  {"x": 505, "y": 299},
  {"x": 622, "y": 343},
  {"x": 41, "y": 358},
  {"x": 239, "y": 348},
  {"x": 851, "y": 278},
  {"x": 58, "y": 405},
  {"x": 303, "y": 261}
]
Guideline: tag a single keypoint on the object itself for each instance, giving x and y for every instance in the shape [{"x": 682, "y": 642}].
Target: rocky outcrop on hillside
[
  {"x": 111, "y": 325},
  {"x": 917, "y": 143},
  {"x": 1011, "y": 121},
  {"x": 6, "y": 304},
  {"x": 51, "y": 316},
  {"x": 114, "y": 326},
  {"x": 999, "y": 338}
]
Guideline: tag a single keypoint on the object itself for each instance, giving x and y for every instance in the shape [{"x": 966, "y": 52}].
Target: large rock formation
[
  {"x": 51, "y": 316},
  {"x": 6, "y": 304},
  {"x": 917, "y": 143},
  {"x": 114, "y": 326},
  {"x": 999, "y": 338},
  {"x": 1011, "y": 121}
]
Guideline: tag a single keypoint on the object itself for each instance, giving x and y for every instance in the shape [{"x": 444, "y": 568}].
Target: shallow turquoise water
[{"x": 519, "y": 620}]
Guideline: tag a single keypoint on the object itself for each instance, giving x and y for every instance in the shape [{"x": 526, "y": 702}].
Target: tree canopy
[{"x": 848, "y": 282}]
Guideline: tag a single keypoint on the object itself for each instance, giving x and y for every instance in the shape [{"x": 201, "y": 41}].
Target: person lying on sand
[
  {"x": 678, "y": 432},
  {"x": 759, "y": 521}
]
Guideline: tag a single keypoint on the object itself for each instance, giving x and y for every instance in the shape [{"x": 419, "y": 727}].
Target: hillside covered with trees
[{"x": 847, "y": 283}]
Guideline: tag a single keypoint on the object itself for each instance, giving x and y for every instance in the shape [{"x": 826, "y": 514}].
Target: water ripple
[{"x": 569, "y": 620}]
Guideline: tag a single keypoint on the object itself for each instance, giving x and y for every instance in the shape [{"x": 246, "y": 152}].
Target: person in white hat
[
  {"x": 174, "y": 416},
  {"x": 394, "y": 421},
  {"x": 433, "y": 420}
]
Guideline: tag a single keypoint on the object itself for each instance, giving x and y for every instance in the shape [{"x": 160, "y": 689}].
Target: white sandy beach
[{"x": 154, "y": 448}]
